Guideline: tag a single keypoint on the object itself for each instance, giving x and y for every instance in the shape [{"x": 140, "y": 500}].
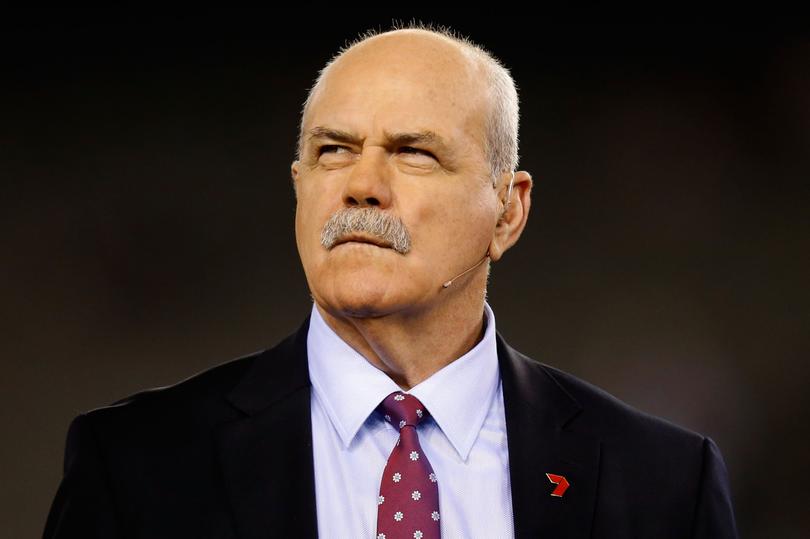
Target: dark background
[{"x": 147, "y": 220}]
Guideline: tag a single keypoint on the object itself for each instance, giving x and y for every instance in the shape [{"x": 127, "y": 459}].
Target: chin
[
  {"x": 368, "y": 286},
  {"x": 364, "y": 294}
]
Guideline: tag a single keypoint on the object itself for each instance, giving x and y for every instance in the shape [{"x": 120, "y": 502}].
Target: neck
[{"x": 411, "y": 347}]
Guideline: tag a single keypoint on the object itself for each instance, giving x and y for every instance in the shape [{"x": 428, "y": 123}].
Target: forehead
[{"x": 403, "y": 87}]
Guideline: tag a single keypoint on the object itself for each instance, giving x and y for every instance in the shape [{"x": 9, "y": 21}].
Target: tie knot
[{"x": 402, "y": 409}]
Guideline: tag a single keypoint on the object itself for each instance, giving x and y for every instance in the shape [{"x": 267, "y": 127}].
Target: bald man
[{"x": 396, "y": 409}]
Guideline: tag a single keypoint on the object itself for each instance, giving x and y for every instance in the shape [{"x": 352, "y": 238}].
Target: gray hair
[{"x": 501, "y": 142}]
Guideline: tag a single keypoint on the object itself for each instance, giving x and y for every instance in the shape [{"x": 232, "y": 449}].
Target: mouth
[{"x": 360, "y": 238}]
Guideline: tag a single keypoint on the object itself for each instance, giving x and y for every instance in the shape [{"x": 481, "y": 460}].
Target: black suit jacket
[{"x": 228, "y": 454}]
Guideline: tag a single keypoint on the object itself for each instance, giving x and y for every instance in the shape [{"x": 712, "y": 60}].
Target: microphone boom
[{"x": 448, "y": 283}]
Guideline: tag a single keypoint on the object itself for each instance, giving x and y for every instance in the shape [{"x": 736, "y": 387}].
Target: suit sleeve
[
  {"x": 714, "y": 515},
  {"x": 83, "y": 505}
]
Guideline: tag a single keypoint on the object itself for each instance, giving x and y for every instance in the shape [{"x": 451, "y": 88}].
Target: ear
[
  {"x": 294, "y": 175},
  {"x": 514, "y": 213}
]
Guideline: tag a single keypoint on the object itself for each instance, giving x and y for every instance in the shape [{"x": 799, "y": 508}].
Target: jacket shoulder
[
  {"x": 676, "y": 471},
  {"x": 198, "y": 400}
]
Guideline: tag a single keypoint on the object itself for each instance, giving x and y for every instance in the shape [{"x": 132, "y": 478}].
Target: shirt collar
[{"x": 458, "y": 396}]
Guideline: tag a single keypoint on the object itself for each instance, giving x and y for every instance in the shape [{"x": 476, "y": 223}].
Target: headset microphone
[
  {"x": 506, "y": 206},
  {"x": 448, "y": 283}
]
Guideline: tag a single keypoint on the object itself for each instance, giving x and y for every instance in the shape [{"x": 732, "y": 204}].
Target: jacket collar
[
  {"x": 266, "y": 454},
  {"x": 540, "y": 423}
]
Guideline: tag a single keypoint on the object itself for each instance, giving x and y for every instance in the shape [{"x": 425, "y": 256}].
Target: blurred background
[{"x": 146, "y": 221}]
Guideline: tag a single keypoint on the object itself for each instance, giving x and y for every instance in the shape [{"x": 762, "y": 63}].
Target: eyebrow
[{"x": 417, "y": 137}]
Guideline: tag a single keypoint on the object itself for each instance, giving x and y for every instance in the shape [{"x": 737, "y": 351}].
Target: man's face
[{"x": 435, "y": 190}]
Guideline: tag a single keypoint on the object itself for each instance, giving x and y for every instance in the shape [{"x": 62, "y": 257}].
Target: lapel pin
[{"x": 561, "y": 482}]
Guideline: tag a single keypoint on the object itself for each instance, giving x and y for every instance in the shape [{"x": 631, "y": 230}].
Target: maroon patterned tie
[{"x": 408, "y": 504}]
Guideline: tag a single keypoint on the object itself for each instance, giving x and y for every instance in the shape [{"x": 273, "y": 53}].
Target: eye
[
  {"x": 330, "y": 148},
  {"x": 416, "y": 151}
]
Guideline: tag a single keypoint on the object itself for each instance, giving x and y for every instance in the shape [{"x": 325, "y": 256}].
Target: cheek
[
  {"x": 447, "y": 231},
  {"x": 313, "y": 209}
]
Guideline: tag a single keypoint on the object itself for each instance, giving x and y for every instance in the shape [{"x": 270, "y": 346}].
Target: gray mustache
[{"x": 379, "y": 224}]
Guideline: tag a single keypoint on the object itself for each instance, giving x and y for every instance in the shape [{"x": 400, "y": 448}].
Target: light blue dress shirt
[{"x": 464, "y": 438}]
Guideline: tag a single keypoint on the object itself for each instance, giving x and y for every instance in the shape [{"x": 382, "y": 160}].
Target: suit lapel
[
  {"x": 266, "y": 455},
  {"x": 540, "y": 423}
]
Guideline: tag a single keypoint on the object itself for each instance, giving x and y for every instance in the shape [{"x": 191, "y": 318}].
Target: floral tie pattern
[{"x": 408, "y": 504}]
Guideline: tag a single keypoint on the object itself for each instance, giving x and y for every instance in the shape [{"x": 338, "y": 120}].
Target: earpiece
[
  {"x": 509, "y": 192},
  {"x": 508, "y": 201}
]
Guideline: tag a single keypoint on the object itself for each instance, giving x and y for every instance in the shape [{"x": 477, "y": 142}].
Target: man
[{"x": 406, "y": 189}]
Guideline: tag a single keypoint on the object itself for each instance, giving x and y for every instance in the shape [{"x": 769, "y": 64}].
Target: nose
[{"x": 369, "y": 181}]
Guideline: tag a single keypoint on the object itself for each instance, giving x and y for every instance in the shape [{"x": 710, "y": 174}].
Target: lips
[{"x": 358, "y": 238}]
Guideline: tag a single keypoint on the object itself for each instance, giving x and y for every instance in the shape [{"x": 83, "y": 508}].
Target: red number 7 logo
[{"x": 561, "y": 482}]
